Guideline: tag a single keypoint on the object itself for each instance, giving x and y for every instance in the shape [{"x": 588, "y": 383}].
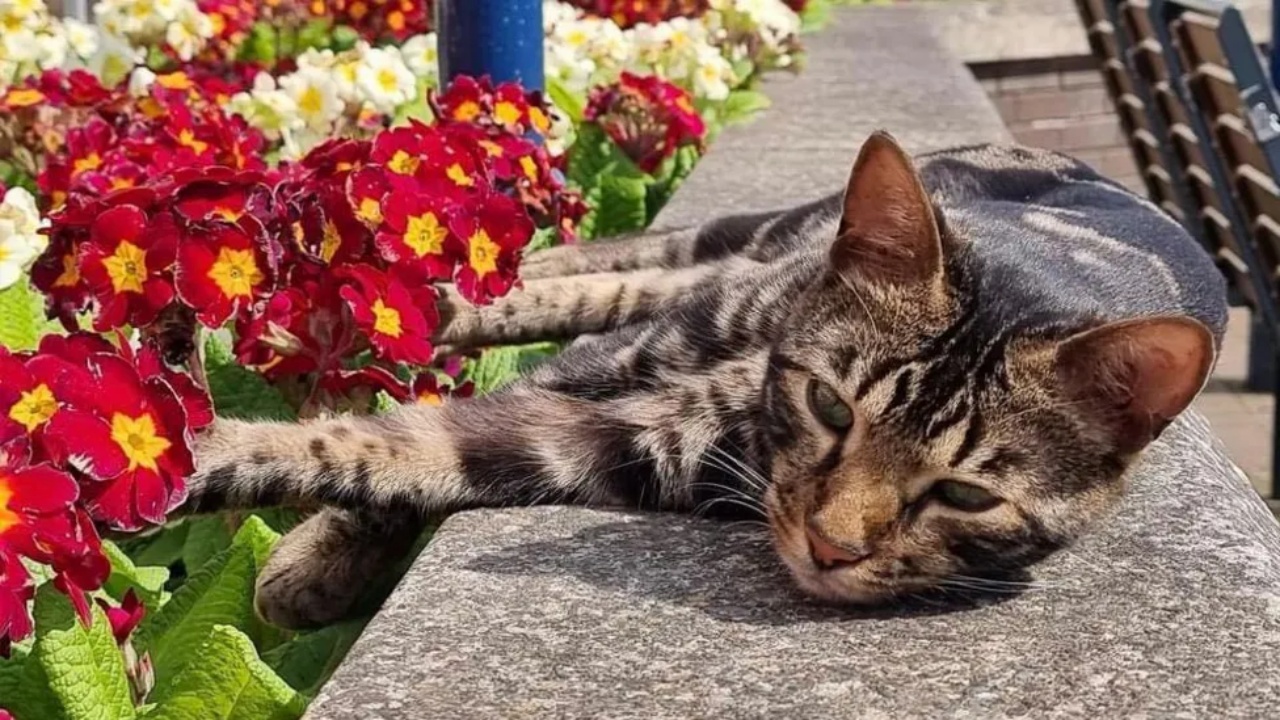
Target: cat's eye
[
  {"x": 964, "y": 496},
  {"x": 826, "y": 405}
]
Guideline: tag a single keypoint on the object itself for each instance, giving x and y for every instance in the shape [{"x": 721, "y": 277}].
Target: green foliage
[
  {"x": 239, "y": 392},
  {"x": 146, "y": 582},
  {"x": 307, "y": 660},
  {"x": 572, "y": 105},
  {"x": 220, "y": 593},
  {"x": 22, "y": 321},
  {"x": 229, "y": 683},
  {"x": 500, "y": 365},
  {"x": 260, "y": 46},
  {"x": 742, "y": 106},
  {"x": 73, "y": 672}
]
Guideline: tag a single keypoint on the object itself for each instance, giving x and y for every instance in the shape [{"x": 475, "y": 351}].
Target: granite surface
[
  {"x": 1170, "y": 609},
  {"x": 1009, "y": 30}
]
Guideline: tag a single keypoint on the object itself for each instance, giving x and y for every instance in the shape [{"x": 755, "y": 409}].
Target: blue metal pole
[
  {"x": 1275, "y": 42},
  {"x": 499, "y": 38}
]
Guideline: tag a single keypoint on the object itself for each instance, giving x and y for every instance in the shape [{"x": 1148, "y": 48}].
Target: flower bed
[{"x": 229, "y": 208}]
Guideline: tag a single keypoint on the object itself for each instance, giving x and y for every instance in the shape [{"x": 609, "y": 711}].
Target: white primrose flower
[
  {"x": 384, "y": 81},
  {"x": 422, "y": 56},
  {"x": 20, "y": 238},
  {"x": 315, "y": 94}
]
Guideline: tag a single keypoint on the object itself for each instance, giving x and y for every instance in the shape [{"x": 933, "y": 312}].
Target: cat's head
[{"x": 915, "y": 443}]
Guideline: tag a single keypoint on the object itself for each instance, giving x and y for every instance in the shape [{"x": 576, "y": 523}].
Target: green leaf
[
  {"x": 742, "y": 105},
  {"x": 83, "y": 666},
  {"x": 220, "y": 593},
  {"x": 314, "y": 34},
  {"x": 12, "y": 671},
  {"x": 816, "y": 15},
  {"x": 500, "y": 365},
  {"x": 24, "y": 689},
  {"x": 343, "y": 38},
  {"x": 623, "y": 206},
  {"x": 22, "y": 320},
  {"x": 592, "y": 156},
  {"x": 238, "y": 392},
  {"x": 147, "y": 582},
  {"x": 229, "y": 683},
  {"x": 572, "y": 105},
  {"x": 206, "y": 537},
  {"x": 542, "y": 239},
  {"x": 260, "y": 46},
  {"x": 161, "y": 548},
  {"x": 308, "y": 660}
]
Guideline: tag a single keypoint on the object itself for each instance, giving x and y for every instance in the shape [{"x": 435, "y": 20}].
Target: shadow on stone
[{"x": 711, "y": 577}]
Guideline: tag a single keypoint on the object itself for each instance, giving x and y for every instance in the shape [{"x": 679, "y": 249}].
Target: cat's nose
[{"x": 829, "y": 556}]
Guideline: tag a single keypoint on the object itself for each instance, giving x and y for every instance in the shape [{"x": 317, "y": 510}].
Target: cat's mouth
[{"x": 854, "y": 581}]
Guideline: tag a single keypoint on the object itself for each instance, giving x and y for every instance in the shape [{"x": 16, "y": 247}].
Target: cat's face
[{"x": 913, "y": 447}]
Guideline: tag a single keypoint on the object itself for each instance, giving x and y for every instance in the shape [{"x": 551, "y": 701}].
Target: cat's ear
[
  {"x": 1135, "y": 376},
  {"x": 888, "y": 232}
]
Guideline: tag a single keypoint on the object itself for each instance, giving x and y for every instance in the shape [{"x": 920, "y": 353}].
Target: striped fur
[{"x": 958, "y": 319}]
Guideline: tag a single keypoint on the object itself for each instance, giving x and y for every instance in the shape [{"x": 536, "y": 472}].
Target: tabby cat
[{"x": 937, "y": 373}]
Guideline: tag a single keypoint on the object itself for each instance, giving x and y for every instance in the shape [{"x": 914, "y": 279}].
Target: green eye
[
  {"x": 964, "y": 496},
  {"x": 827, "y": 406}
]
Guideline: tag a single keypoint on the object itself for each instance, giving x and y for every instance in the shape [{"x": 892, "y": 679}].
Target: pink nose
[{"x": 829, "y": 556}]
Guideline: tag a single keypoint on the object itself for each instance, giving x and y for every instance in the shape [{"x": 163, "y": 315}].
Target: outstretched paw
[{"x": 322, "y": 570}]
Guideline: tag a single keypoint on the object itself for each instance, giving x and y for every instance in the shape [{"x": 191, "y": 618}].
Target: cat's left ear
[
  {"x": 1135, "y": 376},
  {"x": 888, "y": 231}
]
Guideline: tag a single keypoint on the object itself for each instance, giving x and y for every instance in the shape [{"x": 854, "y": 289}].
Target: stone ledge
[
  {"x": 1172, "y": 608},
  {"x": 999, "y": 30}
]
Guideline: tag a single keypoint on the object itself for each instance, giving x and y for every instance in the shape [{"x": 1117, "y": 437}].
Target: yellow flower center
[
  {"x": 175, "y": 81},
  {"x": 235, "y": 273},
  {"x": 8, "y": 518},
  {"x": 483, "y": 253},
  {"x": 331, "y": 242},
  {"x": 121, "y": 183},
  {"x": 396, "y": 20},
  {"x": 491, "y": 147},
  {"x": 467, "y": 111},
  {"x": 370, "y": 211},
  {"x": 138, "y": 438},
  {"x": 507, "y": 113},
  {"x": 425, "y": 235},
  {"x": 227, "y": 213},
  {"x": 127, "y": 267},
  {"x": 459, "y": 176},
  {"x": 403, "y": 163},
  {"x": 23, "y": 97},
  {"x": 386, "y": 320},
  {"x": 432, "y": 399},
  {"x": 387, "y": 79},
  {"x": 530, "y": 167},
  {"x": 34, "y": 408},
  {"x": 92, "y": 161},
  {"x": 311, "y": 102},
  {"x": 539, "y": 120},
  {"x": 70, "y": 276},
  {"x": 187, "y": 138}
]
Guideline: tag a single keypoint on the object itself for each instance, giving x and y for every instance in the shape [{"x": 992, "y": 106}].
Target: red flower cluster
[
  {"x": 128, "y": 141},
  {"x": 88, "y": 432},
  {"x": 232, "y": 20},
  {"x": 322, "y": 260},
  {"x": 647, "y": 117},
  {"x": 627, "y": 13},
  {"x": 378, "y": 19}
]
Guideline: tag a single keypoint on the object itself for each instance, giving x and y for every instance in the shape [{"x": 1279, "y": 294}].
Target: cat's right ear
[
  {"x": 888, "y": 231},
  {"x": 1135, "y": 376}
]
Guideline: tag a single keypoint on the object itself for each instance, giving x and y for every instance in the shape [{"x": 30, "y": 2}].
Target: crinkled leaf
[
  {"x": 238, "y": 392},
  {"x": 590, "y": 157},
  {"x": 220, "y": 593},
  {"x": 500, "y": 365},
  {"x": 22, "y": 320},
  {"x": 24, "y": 689},
  {"x": 11, "y": 677},
  {"x": 623, "y": 206},
  {"x": 147, "y": 582},
  {"x": 229, "y": 683},
  {"x": 206, "y": 537},
  {"x": 260, "y": 46},
  {"x": 308, "y": 660},
  {"x": 82, "y": 666},
  {"x": 542, "y": 239}
]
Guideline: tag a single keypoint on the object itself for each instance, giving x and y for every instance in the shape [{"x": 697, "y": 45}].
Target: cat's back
[{"x": 1051, "y": 236}]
